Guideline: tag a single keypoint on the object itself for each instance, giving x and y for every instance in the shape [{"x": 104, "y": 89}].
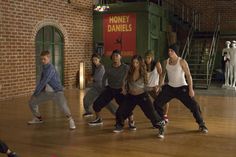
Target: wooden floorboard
[{"x": 54, "y": 139}]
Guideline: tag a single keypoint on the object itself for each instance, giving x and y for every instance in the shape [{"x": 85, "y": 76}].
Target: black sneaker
[
  {"x": 132, "y": 125},
  {"x": 87, "y": 114},
  {"x": 203, "y": 129},
  {"x": 96, "y": 122},
  {"x": 118, "y": 129},
  {"x": 161, "y": 127},
  {"x": 12, "y": 154}
]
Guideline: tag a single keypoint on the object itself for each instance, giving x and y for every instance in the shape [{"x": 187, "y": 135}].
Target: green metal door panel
[
  {"x": 156, "y": 17},
  {"x": 154, "y": 33},
  {"x": 155, "y": 9},
  {"x": 154, "y": 24},
  {"x": 57, "y": 38},
  {"x": 98, "y": 28},
  {"x": 142, "y": 33},
  {"x": 47, "y": 33},
  {"x": 164, "y": 20},
  {"x": 154, "y": 45},
  {"x": 163, "y": 46},
  {"x": 163, "y": 24}
]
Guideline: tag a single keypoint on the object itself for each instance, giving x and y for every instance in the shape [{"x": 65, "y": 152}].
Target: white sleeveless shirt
[
  {"x": 153, "y": 78},
  {"x": 176, "y": 75}
]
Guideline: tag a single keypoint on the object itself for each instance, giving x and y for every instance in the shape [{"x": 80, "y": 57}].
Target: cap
[
  {"x": 175, "y": 48},
  {"x": 116, "y": 51}
]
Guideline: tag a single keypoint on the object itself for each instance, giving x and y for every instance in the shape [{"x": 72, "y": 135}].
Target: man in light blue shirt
[{"x": 49, "y": 77}]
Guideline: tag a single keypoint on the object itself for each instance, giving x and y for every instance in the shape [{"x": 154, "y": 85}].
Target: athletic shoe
[
  {"x": 72, "y": 123},
  {"x": 35, "y": 120},
  {"x": 161, "y": 127},
  {"x": 118, "y": 129},
  {"x": 166, "y": 119},
  {"x": 12, "y": 154},
  {"x": 97, "y": 121},
  {"x": 132, "y": 125},
  {"x": 203, "y": 129},
  {"x": 87, "y": 114}
]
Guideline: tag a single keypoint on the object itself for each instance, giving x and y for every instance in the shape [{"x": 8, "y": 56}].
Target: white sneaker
[
  {"x": 72, "y": 124},
  {"x": 35, "y": 120}
]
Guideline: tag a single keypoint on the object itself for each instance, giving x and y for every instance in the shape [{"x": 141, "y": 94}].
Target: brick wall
[
  {"x": 209, "y": 9},
  {"x": 19, "y": 22}
]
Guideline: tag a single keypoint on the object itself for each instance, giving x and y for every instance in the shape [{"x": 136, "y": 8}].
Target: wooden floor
[{"x": 54, "y": 139}]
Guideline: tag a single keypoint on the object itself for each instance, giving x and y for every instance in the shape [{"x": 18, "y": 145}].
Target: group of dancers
[{"x": 141, "y": 83}]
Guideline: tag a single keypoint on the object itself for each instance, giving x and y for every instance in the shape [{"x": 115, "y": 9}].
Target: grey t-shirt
[
  {"x": 97, "y": 77},
  {"x": 115, "y": 76}
]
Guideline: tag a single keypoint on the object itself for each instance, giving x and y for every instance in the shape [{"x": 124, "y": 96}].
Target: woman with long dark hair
[
  {"x": 98, "y": 71},
  {"x": 136, "y": 95},
  {"x": 113, "y": 83}
]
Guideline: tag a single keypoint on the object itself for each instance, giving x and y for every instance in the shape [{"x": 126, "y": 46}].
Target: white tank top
[
  {"x": 153, "y": 78},
  {"x": 176, "y": 75}
]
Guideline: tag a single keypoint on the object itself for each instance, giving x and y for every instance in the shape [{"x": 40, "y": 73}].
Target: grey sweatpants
[
  {"x": 89, "y": 98},
  {"x": 57, "y": 98}
]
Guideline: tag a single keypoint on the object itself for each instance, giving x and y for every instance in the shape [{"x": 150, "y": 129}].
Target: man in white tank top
[{"x": 177, "y": 69}]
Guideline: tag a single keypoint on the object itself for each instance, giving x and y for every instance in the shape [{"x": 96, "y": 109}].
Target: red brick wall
[
  {"x": 19, "y": 22},
  {"x": 209, "y": 9}
]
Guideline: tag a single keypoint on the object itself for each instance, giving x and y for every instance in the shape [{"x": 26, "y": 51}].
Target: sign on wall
[{"x": 119, "y": 32}]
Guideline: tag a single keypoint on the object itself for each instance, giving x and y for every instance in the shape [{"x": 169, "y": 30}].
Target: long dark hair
[
  {"x": 142, "y": 69},
  {"x": 93, "y": 65}
]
